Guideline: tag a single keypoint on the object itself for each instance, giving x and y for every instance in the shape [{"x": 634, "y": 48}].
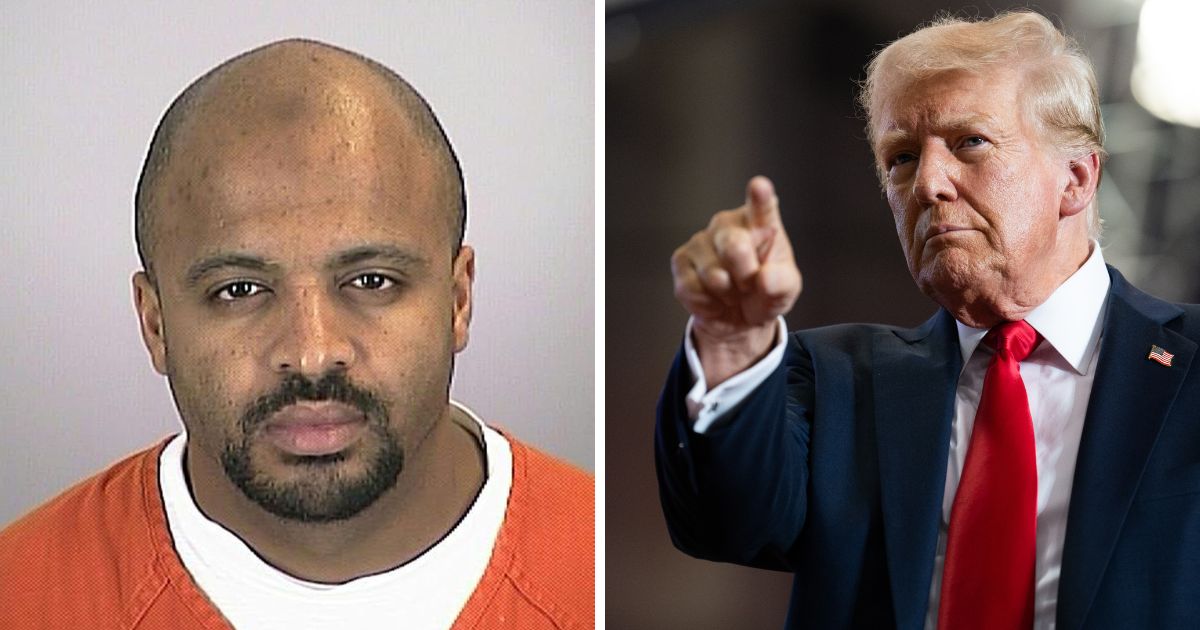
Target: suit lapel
[
  {"x": 1131, "y": 397},
  {"x": 915, "y": 374}
]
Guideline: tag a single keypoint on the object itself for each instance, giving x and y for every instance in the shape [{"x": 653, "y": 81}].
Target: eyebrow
[
  {"x": 207, "y": 265},
  {"x": 392, "y": 254},
  {"x": 363, "y": 253},
  {"x": 898, "y": 136}
]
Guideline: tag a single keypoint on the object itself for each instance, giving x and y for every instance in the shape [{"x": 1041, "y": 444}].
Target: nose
[
  {"x": 312, "y": 339},
  {"x": 934, "y": 180}
]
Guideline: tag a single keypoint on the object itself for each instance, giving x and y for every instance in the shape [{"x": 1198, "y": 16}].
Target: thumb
[{"x": 762, "y": 202}]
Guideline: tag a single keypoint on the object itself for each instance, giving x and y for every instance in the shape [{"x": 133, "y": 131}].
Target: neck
[
  {"x": 441, "y": 478},
  {"x": 1014, "y": 297}
]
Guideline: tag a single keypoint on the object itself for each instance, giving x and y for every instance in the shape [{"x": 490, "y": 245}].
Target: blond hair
[{"x": 1059, "y": 89}]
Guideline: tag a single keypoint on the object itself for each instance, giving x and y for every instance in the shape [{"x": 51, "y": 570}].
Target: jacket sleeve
[{"x": 738, "y": 493}]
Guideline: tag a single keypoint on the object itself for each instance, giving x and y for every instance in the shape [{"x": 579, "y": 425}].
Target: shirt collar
[{"x": 1070, "y": 320}]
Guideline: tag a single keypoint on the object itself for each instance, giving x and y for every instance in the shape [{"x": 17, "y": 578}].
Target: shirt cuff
[{"x": 706, "y": 407}]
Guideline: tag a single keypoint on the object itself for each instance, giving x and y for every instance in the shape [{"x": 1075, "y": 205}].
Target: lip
[
  {"x": 935, "y": 231},
  {"x": 315, "y": 428}
]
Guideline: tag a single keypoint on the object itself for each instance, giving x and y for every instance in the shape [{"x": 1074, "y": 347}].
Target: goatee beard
[{"x": 325, "y": 492}]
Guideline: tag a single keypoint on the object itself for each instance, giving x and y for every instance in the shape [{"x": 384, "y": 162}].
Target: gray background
[
  {"x": 701, "y": 95},
  {"x": 81, "y": 88}
]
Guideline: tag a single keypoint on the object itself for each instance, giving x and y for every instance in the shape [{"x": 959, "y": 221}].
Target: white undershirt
[
  {"x": 427, "y": 592},
  {"x": 1058, "y": 379}
]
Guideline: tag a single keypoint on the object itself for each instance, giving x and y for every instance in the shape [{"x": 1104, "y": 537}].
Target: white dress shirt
[
  {"x": 1058, "y": 378},
  {"x": 427, "y": 592}
]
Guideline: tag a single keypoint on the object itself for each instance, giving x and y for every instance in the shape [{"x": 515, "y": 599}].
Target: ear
[
  {"x": 1083, "y": 178},
  {"x": 149, "y": 310},
  {"x": 464, "y": 278}
]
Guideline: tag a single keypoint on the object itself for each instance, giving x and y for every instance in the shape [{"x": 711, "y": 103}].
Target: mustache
[{"x": 332, "y": 387}]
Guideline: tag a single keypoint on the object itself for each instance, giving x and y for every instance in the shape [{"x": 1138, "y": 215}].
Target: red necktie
[{"x": 991, "y": 550}]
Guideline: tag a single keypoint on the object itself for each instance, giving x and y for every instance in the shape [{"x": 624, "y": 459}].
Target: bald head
[{"x": 298, "y": 103}]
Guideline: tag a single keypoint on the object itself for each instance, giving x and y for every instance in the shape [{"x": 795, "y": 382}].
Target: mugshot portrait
[{"x": 363, "y": 158}]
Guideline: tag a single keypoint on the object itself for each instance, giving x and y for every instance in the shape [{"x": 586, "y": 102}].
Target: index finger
[{"x": 762, "y": 202}]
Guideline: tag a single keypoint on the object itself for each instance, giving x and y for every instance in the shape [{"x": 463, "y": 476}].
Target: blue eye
[
  {"x": 238, "y": 290},
  {"x": 901, "y": 158},
  {"x": 372, "y": 282},
  {"x": 973, "y": 141}
]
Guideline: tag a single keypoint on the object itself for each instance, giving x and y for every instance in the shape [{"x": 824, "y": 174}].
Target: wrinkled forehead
[{"x": 951, "y": 99}]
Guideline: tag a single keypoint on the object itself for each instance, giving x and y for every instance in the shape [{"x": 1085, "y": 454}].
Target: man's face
[
  {"x": 975, "y": 193},
  {"x": 311, "y": 305}
]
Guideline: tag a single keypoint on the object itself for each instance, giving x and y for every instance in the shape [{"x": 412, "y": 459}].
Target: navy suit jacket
[{"x": 834, "y": 469}]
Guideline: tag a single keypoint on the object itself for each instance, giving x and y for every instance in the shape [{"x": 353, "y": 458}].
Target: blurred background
[{"x": 701, "y": 95}]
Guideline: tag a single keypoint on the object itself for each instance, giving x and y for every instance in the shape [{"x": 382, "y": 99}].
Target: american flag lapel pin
[{"x": 1160, "y": 355}]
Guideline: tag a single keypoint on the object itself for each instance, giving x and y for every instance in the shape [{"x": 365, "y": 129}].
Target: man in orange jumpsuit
[{"x": 300, "y": 219}]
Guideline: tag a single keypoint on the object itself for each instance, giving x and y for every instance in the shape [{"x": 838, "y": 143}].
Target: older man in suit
[{"x": 1030, "y": 456}]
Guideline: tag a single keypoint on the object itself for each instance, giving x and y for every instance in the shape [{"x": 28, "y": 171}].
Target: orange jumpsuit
[{"x": 100, "y": 556}]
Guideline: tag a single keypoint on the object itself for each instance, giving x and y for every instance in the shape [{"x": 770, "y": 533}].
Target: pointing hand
[{"x": 735, "y": 277}]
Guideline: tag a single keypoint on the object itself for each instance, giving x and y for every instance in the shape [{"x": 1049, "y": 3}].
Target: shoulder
[
  {"x": 553, "y": 508},
  {"x": 553, "y": 481},
  {"x": 844, "y": 334},
  {"x": 1189, "y": 323},
  {"x": 90, "y": 511},
  {"x": 1181, "y": 318},
  {"x": 558, "y": 501},
  {"x": 858, "y": 341},
  {"x": 90, "y": 536}
]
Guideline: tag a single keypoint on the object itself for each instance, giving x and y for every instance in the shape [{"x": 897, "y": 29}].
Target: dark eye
[
  {"x": 900, "y": 159},
  {"x": 238, "y": 290},
  {"x": 372, "y": 282}
]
